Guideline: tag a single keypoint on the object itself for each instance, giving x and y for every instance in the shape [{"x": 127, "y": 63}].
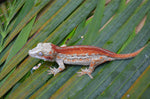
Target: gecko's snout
[{"x": 29, "y": 52}]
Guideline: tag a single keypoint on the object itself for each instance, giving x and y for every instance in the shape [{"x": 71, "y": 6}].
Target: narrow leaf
[
  {"x": 20, "y": 41},
  {"x": 95, "y": 23}
]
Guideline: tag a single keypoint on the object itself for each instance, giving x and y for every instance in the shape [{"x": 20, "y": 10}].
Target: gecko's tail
[{"x": 130, "y": 55}]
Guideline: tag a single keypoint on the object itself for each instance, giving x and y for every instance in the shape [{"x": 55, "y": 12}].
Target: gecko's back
[{"x": 83, "y": 50}]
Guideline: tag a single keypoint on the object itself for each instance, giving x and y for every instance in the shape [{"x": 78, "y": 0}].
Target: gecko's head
[{"x": 43, "y": 51}]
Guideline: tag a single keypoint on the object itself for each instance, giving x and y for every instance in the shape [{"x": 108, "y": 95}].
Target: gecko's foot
[
  {"x": 53, "y": 71},
  {"x": 85, "y": 71}
]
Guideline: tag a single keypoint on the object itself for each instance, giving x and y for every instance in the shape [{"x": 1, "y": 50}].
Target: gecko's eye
[{"x": 40, "y": 54}]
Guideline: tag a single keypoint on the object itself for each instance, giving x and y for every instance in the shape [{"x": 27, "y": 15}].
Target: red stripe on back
[{"x": 83, "y": 49}]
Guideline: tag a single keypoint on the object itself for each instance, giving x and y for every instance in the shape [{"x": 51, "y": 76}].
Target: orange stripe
[{"x": 80, "y": 50}]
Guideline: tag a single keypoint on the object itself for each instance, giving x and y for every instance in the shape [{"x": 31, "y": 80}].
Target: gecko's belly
[
  {"x": 75, "y": 59},
  {"x": 81, "y": 59},
  {"x": 77, "y": 62}
]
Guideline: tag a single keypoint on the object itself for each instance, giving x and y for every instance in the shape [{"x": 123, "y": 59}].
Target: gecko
[{"x": 76, "y": 55}]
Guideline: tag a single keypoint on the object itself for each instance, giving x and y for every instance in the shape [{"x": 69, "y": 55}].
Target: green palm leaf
[{"x": 118, "y": 26}]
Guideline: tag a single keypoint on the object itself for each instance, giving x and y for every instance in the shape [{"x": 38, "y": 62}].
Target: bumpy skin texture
[{"x": 76, "y": 55}]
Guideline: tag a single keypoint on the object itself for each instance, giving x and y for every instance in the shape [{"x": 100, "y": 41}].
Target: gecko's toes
[
  {"x": 53, "y": 71},
  {"x": 85, "y": 71},
  {"x": 80, "y": 73},
  {"x": 49, "y": 72}
]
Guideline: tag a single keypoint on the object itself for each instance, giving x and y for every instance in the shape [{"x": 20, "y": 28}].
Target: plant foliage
[{"x": 120, "y": 26}]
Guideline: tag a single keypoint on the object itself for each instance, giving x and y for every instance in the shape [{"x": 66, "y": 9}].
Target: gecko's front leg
[{"x": 59, "y": 69}]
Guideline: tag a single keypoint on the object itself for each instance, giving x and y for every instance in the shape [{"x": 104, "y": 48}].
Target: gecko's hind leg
[
  {"x": 88, "y": 71},
  {"x": 85, "y": 71}
]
